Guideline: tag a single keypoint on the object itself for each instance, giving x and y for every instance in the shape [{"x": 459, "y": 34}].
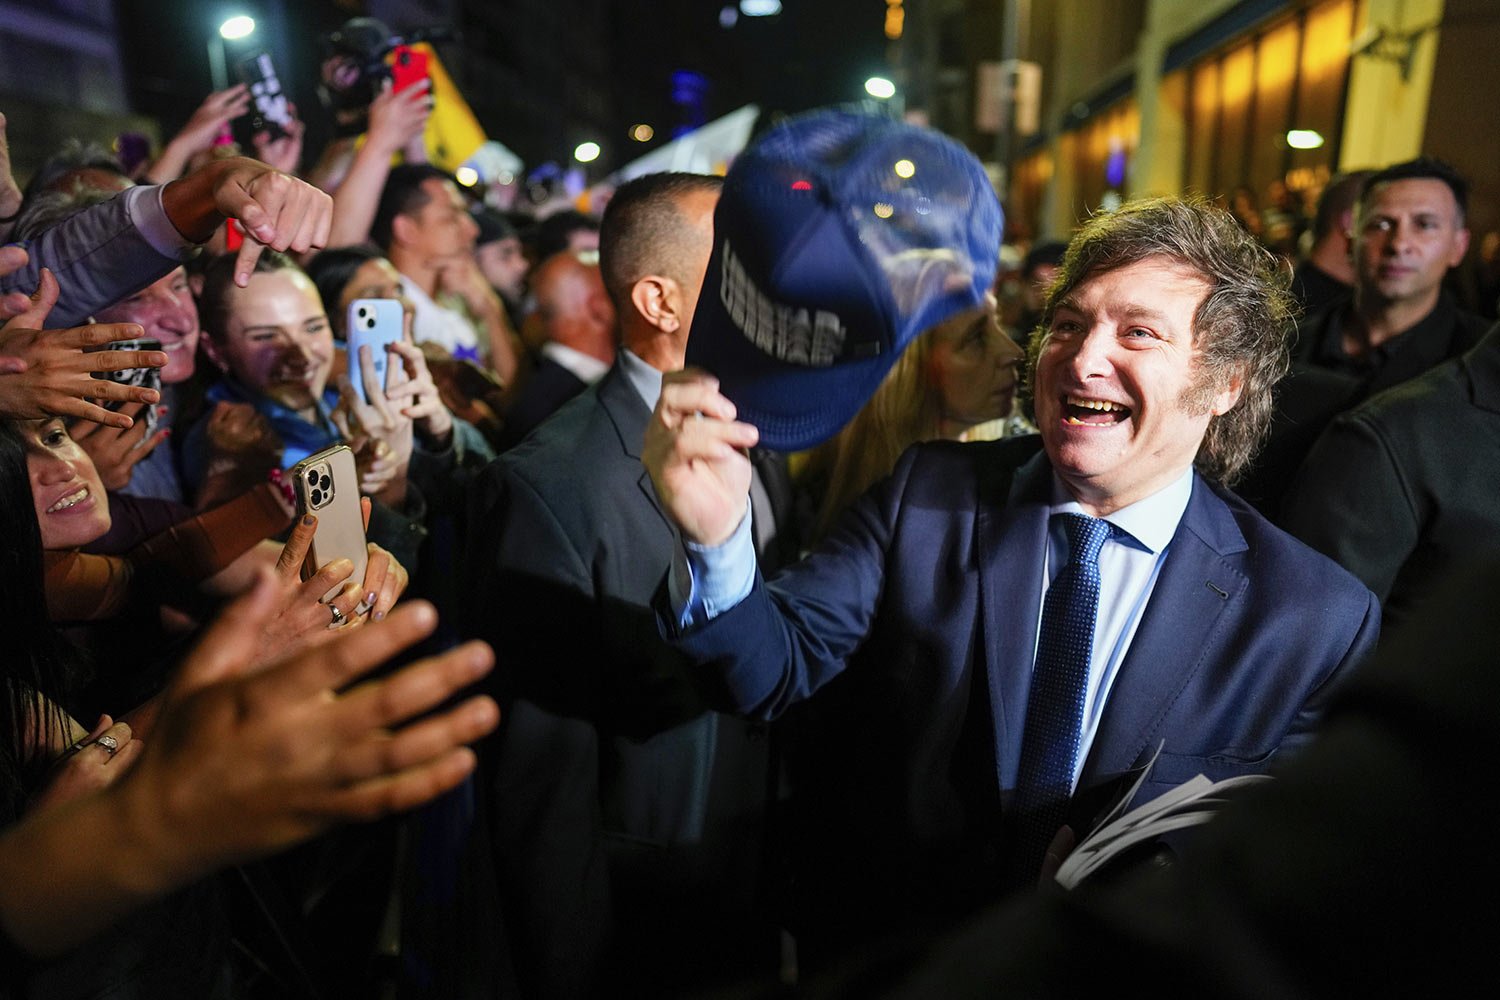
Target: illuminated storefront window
[{"x": 1264, "y": 114}]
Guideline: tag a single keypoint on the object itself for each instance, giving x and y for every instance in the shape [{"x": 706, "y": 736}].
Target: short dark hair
[
  {"x": 333, "y": 269},
  {"x": 1044, "y": 252},
  {"x": 1341, "y": 194},
  {"x": 1421, "y": 167},
  {"x": 218, "y": 279},
  {"x": 642, "y": 231},
  {"x": 403, "y": 195},
  {"x": 73, "y": 156},
  {"x": 550, "y": 235},
  {"x": 1242, "y": 327}
]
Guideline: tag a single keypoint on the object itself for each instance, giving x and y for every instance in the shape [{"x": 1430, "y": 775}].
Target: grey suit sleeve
[
  {"x": 102, "y": 254},
  {"x": 1352, "y": 502}
]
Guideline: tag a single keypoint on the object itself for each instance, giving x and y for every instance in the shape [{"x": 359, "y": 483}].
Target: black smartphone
[
  {"x": 272, "y": 113},
  {"x": 146, "y": 378}
]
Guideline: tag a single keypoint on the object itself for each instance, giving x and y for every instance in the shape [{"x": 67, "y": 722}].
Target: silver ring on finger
[
  {"x": 338, "y": 616},
  {"x": 109, "y": 743}
]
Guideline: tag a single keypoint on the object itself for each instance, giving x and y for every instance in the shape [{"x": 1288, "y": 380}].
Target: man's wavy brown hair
[{"x": 1241, "y": 329}]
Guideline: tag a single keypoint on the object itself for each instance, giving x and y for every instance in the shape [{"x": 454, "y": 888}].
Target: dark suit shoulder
[
  {"x": 935, "y": 469},
  {"x": 1279, "y": 563}
]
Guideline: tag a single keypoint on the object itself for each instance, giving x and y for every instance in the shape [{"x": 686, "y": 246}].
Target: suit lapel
[
  {"x": 629, "y": 413},
  {"x": 1011, "y": 536},
  {"x": 1199, "y": 581}
]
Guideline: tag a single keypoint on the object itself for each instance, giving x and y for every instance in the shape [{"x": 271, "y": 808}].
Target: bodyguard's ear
[{"x": 659, "y": 301}]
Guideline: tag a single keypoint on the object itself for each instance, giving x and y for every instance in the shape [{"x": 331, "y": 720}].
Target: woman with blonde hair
[{"x": 954, "y": 377}]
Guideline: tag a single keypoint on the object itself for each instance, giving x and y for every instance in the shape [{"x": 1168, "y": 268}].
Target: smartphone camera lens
[
  {"x": 317, "y": 497},
  {"x": 323, "y": 484},
  {"x": 312, "y": 477},
  {"x": 370, "y": 323}
]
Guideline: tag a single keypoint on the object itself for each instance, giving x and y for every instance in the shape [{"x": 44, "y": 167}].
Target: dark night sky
[{"x": 815, "y": 52}]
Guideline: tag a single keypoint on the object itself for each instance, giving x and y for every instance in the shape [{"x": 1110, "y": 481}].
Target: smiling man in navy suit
[{"x": 998, "y": 632}]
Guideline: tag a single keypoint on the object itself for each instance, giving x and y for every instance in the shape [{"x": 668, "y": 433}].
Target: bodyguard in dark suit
[
  {"x": 627, "y": 809},
  {"x": 1002, "y": 634},
  {"x": 1402, "y": 489}
]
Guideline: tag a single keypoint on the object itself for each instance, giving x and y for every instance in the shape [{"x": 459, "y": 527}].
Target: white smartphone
[
  {"x": 327, "y": 485},
  {"x": 377, "y": 323}
]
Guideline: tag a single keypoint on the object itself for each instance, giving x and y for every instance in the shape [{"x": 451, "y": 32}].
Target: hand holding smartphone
[
  {"x": 327, "y": 485},
  {"x": 373, "y": 323}
]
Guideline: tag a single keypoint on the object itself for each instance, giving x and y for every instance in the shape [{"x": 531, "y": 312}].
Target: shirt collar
[
  {"x": 585, "y": 366},
  {"x": 1151, "y": 522},
  {"x": 643, "y": 378}
]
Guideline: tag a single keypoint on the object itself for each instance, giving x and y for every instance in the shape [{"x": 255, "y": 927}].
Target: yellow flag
[{"x": 453, "y": 133}]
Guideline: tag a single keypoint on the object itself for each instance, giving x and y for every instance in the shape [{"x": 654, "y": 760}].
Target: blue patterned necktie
[{"x": 1054, "y": 708}]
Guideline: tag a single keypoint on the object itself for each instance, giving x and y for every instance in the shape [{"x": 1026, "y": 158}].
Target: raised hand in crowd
[
  {"x": 275, "y": 209},
  {"x": 116, "y": 451},
  {"x": 203, "y": 127},
  {"x": 377, "y": 429},
  {"x": 695, "y": 453},
  {"x": 284, "y": 152},
  {"x": 245, "y": 760},
  {"x": 397, "y": 119},
  {"x": 50, "y": 373},
  {"x": 419, "y": 399}
]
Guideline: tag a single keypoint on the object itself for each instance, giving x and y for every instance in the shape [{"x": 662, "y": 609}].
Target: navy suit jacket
[{"x": 929, "y": 593}]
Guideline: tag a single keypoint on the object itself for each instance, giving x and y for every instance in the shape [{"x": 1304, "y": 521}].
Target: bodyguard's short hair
[
  {"x": 1242, "y": 327},
  {"x": 641, "y": 232},
  {"x": 1423, "y": 167},
  {"x": 403, "y": 195}
]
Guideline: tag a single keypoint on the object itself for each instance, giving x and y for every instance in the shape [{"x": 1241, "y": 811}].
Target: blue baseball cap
[{"x": 839, "y": 237}]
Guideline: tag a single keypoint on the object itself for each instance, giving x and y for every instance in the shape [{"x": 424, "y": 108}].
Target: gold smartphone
[{"x": 327, "y": 486}]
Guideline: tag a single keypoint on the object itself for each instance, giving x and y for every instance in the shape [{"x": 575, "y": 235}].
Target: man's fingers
[
  {"x": 417, "y": 744},
  {"x": 97, "y": 335},
  {"x": 115, "y": 361},
  {"x": 388, "y": 702},
  {"x": 244, "y": 261},
  {"x": 713, "y": 439},
  {"x": 115, "y": 392},
  {"x": 682, "y": 400},
  {"x": 381, "y": 796}
]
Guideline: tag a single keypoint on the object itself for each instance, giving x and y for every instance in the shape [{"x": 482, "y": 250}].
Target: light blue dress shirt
[
  {"x": 706, "y": 581},
  {"x": 1129, "y": 564}
]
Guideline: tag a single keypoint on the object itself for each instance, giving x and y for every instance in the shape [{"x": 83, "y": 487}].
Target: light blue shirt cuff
[
  {"x": 143, "y": 204},
  {"x": 707, "y": 580}
]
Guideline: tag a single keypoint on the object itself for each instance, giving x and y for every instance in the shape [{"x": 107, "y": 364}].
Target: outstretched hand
[
  {"x": 246, "y": 760},
  {"x": 49, "y": 373},
  {"x": 695, "y": 452}
]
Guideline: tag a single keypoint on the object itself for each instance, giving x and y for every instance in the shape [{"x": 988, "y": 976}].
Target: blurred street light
[
  {"x": 467, "y": 176},
  {"x": 760, "y": 8},
  {"x": 232, "y": 30},
  {"x": 236, "y": 27},
  {"x": 586, "y": 152},
  {"x": 1304, "y": 138},
  {"x": 880, "y": 87},
  {"x": 642, "y": 133}
]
